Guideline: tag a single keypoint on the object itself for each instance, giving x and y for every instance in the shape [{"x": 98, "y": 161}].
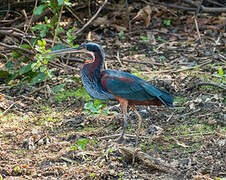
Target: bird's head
[{"x": 85, "y": 48}]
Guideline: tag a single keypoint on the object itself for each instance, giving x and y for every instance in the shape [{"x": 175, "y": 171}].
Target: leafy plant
[
  {"x": 42, "y": 61},
  {"x": 55, "y": 7},
  {"x": 96, "y": 107},
  {"x": 70, "y": 36},
  {"x": 80, "y": 144},
  {"x": 43, "y": 28},
  {"x": 92, "y": 175},
  {"x": 167, "y": 22},
  {"x": 220, "y": 71}
]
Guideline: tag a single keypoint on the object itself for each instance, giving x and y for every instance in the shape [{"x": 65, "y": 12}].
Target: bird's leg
[
  {"x": 139, "y": 125},
  {"x": 124, "y": 103}
]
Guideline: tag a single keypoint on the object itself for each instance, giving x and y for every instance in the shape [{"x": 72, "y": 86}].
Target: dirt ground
[{"x": 47, "y": 135}]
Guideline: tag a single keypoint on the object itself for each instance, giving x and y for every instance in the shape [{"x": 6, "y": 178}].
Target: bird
[{"x": 106, "y": 84}]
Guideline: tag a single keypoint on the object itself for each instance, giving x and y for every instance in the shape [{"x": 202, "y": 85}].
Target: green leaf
[
  {"x": 73, "y": 148},
  {"x": 221, "y": 71},
  {"x": 88, "y": 105},
  {"x": 167, "y": 22},
  {"x": 39, "y": 78},
  {"x": 4, "y": 74},
  {"x": 82, "y": 143},
  {"x": 39, "y": 10},
  {"x": 81, "y": 92},
  {"x": 25, "y": 46},
  {"x": 42, "y": 69},
  {"x": 144, "y": 38},
  {"x": 25, "y": 69},
  {"x": 58, "y": 88},
  {"x": 16, "y": 55},
  {"x": 60, "y": 2},
  {"x": 121, "y": 34},
  {"x": 9, "y": 65}
]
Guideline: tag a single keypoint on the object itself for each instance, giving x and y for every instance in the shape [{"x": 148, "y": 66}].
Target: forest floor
[{"x": 65, "y": 135}]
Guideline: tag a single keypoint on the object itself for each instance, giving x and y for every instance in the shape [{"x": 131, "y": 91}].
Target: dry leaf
[
  {"x": 2, "y": 97},
  {"x": 144, "y": 14}
]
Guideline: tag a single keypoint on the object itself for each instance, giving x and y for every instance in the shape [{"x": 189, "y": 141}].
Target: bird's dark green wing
[{"x": 131, "y": 87}]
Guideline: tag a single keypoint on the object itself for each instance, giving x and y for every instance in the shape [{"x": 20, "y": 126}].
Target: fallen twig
[
  {"x": 17, "y": 48},
  {"x": 195, "y": 111},
  {"x": 147, "y": 160},
  {"x": 118, "y": 58},
  {"x": 7, "y": 109},
  {"x": 94, "y": 17},
  {"x": 56, "y": 30}
]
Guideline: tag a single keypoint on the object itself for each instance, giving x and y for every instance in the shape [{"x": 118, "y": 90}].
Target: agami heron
[{"x": 127, "y": 89}]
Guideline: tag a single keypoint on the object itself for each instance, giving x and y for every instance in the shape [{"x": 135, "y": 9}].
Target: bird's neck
[{"x": 95, "y": 67}]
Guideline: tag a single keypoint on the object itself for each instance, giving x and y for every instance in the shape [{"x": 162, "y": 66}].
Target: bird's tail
[{"x": 166, "y": 98}]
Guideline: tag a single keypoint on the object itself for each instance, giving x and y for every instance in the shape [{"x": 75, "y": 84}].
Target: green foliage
[
  {"x": 43, "y": 28},
  {"x": 55, "y": 7},
  {"x": 144, "y": 38},
  {"x": 70, "y": 36},
  {"x": 96, "y": 107},
  {"x": 22, "y": 68},
  {"x": 167, "y": 22},
  {"x": 220, "y": 71},
  {"x": 64, "y": 94},
  {"x": 180, "y": 100},
  {"x": 41, "y": 63},
  {"x": 81, "y": 92},
  {"x": 122, "y": 35},
  {"x": 58, "y": 88},
  {"x": 162, "y": 58},
  {"x": 92, "y": 175},
  {"x": 80, "y": 144}
]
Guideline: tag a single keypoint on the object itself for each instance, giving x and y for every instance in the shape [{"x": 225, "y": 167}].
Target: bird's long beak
[
  {"x": 80, "y": 49},
  {"x": 66, "y": 51}
]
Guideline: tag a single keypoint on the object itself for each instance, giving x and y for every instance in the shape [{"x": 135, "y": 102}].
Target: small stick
[
  {"x": 88, "y": 23},
  {"x": 127, "y": 12},
  {"x": 7, "y": 109},
  {"x": 118, "y": 58},
  {"x": 17, "y": 48},
  {"x": 56, "y": 30},
  {"x": 69, "y": 9},
  {"x": 195, "y": 111},
  {"x": 170, "y": 117}
]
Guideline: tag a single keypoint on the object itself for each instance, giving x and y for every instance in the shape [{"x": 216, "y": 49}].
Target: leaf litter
[{"x": 47, "y": 138}]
